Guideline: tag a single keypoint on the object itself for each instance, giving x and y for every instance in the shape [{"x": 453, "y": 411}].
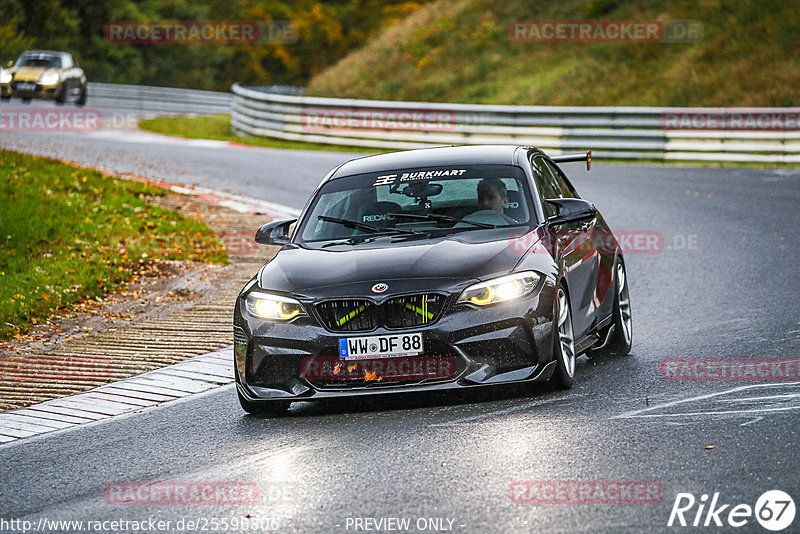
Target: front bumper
[
  {"x": 506, "y": 342},
  {"x": 39, "y": 91}
]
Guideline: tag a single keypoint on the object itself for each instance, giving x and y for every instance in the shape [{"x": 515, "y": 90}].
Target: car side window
[
  {"x": 546, "y": 184},
  {"x": 563, "y": 183}
]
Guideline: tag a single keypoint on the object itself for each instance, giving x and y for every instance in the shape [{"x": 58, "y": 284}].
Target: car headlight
[
  {"x": 268, "y": 306},
  {"x": 510, "y": 287},
  {"x": 49, "y": 77}
]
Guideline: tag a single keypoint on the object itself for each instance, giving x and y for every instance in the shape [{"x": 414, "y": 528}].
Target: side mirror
[
  {"x": 571, "y": 210},
  {"x": 274, "y": 233}
]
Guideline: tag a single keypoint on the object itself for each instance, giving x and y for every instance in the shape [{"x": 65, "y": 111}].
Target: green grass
[
  {"x": 461, "y": 51},
  {"x": 218, "y": 127},
  {"x": 68, "y": 234}
]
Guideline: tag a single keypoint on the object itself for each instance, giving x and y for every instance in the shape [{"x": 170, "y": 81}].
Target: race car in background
[
  {"x": 431, "y": 269},
  {"x": 44, "y": 74}
]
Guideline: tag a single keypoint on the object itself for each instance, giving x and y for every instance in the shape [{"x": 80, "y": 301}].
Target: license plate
[
  {"x": 26, "y": 86},
  {"x": 388, "y": 346}
]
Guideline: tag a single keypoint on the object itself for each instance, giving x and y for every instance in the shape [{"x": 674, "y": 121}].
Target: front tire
[
  {"x": 622, "y": 338},
  {"x": 563, "y": 343},
  {"x": 61, "y": 97},
  {"x": 82, "y": 98},
  {"x": 263, "y": 408}
]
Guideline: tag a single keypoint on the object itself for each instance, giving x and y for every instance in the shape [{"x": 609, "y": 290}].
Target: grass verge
[
  {"x": 218, "y": 127},
  {"x": 68, "y": 234}
]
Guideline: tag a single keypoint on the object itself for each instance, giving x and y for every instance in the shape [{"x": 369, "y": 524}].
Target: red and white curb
[
  {"x": 239, "y": 203},
  {"x": 148, "y": 138},
  {"x": 195, "y": 375}
]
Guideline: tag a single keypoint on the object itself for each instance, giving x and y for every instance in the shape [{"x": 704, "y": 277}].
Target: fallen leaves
[{"x": 370, "y": 376}]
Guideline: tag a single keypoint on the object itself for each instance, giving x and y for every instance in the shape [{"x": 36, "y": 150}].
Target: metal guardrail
[
  {"x": 610, "y": 132},
  {"x": 157, "y": 100},
  {"x": 278, "y": 89}
]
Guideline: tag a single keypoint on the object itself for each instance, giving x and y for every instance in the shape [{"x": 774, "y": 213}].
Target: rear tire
[
  {"x": 563, "y": 343},
  {"x": 264, "y": 407},
  {"x": 622, "y": 338}
]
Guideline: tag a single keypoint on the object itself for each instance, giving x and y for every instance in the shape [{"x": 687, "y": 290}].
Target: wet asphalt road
[{"x": 725, "y": 284}]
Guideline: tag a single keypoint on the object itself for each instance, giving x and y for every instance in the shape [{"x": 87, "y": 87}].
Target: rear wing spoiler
[{"x": 566, "y": 158}]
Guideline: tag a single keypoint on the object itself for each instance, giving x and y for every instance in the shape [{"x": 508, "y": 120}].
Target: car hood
[
  {"x": 28, "y": 74},
  {"x": 405, "y": 266}
]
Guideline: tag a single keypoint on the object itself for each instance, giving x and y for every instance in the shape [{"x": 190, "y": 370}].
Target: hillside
[{"x": 462, "y": 51}]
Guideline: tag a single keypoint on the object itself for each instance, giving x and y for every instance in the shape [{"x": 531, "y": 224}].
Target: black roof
[{"x": 431, "y": 157}]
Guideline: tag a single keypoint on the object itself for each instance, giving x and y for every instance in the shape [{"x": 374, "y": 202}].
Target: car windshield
[
  {"x": 421, "y": 202},
  {"x": 39, "y": 61}
]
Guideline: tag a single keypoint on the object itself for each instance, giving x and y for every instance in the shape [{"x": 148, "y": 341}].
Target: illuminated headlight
[
  {"x": 49, "y": 77},
  {"x": 512, "y": 286},
  {"x": 5, "y": 76},
  {"x": 268, "y": 306}
]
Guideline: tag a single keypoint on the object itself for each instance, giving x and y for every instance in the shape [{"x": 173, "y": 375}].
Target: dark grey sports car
[{"x": 431, "y": 269}]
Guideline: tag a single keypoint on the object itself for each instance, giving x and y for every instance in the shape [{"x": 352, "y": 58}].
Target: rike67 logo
[{"x": 774, "y": 510}]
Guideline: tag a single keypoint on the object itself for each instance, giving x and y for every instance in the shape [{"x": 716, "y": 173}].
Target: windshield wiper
[
  {"x": 446, "y": 218},
  {"x": 367, "y": 227},
  {"x": 356, "y": 240},
  {"x": 374, "y": 231}
]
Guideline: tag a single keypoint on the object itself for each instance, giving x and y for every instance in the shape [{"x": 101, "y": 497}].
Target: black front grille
[
  {"x": 361, "y": 315},
  {"x": 350, "y": 315},
  {"x": 412, "y": 310}
]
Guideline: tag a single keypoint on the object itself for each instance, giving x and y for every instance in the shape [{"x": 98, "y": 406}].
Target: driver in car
[
  {"x": 492, "y": 194},
  {"x": 492, "y": 200}
]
